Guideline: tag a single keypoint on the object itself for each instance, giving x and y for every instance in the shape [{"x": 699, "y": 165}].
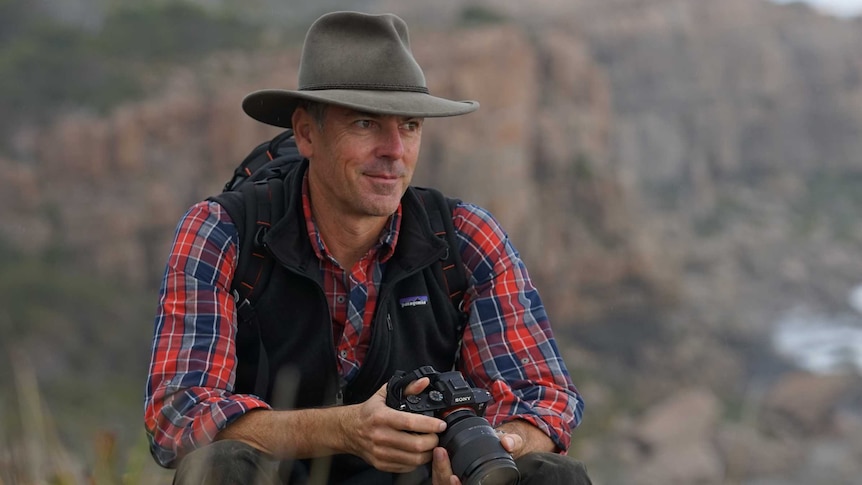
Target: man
[{"x": 352, "y": 241}]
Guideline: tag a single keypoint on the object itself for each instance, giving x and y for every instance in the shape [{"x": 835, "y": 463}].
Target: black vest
[{"x": 414, "y": 324}]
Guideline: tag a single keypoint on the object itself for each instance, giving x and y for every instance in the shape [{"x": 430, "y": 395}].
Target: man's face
[{"x": 360, "y": 163}]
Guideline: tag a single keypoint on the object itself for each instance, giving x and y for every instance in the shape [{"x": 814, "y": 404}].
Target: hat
[{"x": 358, "y": 61}]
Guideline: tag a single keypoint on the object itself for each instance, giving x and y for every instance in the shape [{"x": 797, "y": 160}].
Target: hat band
[{"x": 367, "y": 87}]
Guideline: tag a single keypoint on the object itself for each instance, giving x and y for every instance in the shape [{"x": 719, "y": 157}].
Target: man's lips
[{"x": 383, "y": 176}]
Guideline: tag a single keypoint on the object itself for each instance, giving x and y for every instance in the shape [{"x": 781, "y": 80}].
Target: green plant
[
  {"x": 480, "y": 15},
  {"x": 78, "y": 345},
  {"x": 48, "y": 66},
  {"x": 833, "y": 201},
  {"x": 170, "y": 32}
]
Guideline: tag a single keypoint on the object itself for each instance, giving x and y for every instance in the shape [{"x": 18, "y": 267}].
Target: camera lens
[{"x": 475, "y": 451}]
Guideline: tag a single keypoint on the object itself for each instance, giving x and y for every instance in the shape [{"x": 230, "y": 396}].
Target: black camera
[{"x": 475, "y": 451}]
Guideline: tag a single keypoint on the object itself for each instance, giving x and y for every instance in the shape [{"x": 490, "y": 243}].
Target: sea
[{"x": 822, "y": 343}]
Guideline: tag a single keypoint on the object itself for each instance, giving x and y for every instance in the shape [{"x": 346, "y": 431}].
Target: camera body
[
  {"x": 475, "y": 451},
  {"x": 447, "y": 391}
]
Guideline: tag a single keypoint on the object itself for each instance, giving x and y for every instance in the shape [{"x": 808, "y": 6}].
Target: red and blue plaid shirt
[
  {"x": 352, "y": 295},
  {"x": 508, "y": 346}
]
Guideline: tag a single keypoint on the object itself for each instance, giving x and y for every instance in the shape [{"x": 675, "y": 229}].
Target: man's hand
[
  {"x": 441, "y": 469},
  {"x": 390, "y": 440},
  {"x": 513, "y": 443},
  {"x": 520, "y": 437},
  {"x": 517, "y": 437}
]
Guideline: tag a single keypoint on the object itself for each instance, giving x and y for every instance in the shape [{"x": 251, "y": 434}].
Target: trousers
[{"x": 232, "y": 462}]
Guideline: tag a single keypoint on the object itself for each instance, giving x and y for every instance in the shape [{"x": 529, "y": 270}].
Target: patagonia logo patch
[{"x": 413, "y": 301}]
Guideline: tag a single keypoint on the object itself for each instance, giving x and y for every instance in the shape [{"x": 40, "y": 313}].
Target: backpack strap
[
  {"x": 255, "y": 263},
  {"x": 253, "y": 207},
  {"x": 254, "y": 198},
  {"x": 439, "y": 209}
]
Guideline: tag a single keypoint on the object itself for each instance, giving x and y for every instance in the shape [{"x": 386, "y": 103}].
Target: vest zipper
[
  {"x": 341, "y": 382},
  {"x": 374, "y": 374},
  {"x": 339, "y": 395}
]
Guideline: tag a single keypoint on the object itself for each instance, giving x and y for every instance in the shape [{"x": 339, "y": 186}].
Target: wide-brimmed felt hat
[{"x": 358, "y": 61}]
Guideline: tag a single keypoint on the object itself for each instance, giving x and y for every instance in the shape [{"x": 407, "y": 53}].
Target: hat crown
[
  {"x": 351, "y": 50},
  {"x": 361, "y": 62}
]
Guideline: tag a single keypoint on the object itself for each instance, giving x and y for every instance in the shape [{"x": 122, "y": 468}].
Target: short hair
[{"x": 316, "y": 109}]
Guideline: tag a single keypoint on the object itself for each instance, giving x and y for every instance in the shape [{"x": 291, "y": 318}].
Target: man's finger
[
  {"x": 417, "y": 423},
  {"x": 512, "y": 442},
  {"x": 441, "y": 468},
  {"x": 509, "y": 442},
  {"x": 416, "y": 386}
]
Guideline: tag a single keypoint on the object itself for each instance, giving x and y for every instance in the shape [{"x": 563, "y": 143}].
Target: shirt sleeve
[
  {"x": 189, "y": 394},
  {"x": 508, "y": 347}
]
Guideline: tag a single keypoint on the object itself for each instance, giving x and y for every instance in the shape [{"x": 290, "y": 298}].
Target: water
[
  {"x": 839, "y": 8},
  {"x": 821, "y": 343}
]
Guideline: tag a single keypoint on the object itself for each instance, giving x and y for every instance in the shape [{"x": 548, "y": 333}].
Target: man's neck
[{"x": 347, "y": 238}]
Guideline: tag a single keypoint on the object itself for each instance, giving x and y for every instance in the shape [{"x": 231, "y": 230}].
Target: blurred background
[{"x": 682, "y": 178}]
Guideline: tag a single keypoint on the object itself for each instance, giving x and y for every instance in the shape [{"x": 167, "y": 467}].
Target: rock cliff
[
  {"x": 676, "y": 173},
  {"x": 109, "y": 190}
]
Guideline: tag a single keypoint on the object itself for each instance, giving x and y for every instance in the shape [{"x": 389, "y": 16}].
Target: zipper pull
[
  {"x": 389, "y": 321},
  {"x": 339, "y": 395}
]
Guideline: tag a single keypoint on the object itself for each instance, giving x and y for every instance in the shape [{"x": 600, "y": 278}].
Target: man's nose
[{"x": 390, "y": 145}]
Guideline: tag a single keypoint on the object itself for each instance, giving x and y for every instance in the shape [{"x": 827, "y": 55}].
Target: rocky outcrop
[
  {"x": 735, "y": 124},
  {"x": 801, "y": 406},
  {"x": 686, "y": 437},
  {"x": 675, "y": 439},
  {"x": 731, "y": 128},
  {"x": 676, "y": 173},
  {"x": 536, "y": 155}
]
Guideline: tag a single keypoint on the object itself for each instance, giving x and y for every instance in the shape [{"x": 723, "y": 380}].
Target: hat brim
[{"x": 276, "y": 106}]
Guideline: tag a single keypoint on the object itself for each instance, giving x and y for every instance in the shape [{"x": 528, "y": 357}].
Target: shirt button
[
  {"x": 339, "y": 299},
  {"x": 525, "y": 360},
  {"x": 343, "y": 354}
]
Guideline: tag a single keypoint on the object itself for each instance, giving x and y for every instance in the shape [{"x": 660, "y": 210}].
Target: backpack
[{"x": 257, "y": 186}]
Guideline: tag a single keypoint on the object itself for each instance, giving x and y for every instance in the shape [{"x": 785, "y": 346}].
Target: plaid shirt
[
  {"x": 508, "y": 346},
  {"x": 352, "y": 295}
]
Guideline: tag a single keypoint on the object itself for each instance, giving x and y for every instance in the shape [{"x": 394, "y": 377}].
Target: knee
[
  {"x": 222, "y": 462},
  {"x": 551, "y": 468}
]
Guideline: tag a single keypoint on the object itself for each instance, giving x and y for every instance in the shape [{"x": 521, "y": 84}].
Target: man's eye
[{"x": 362, "y": 123}]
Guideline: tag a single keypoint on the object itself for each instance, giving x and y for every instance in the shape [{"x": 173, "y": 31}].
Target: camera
[{"x": 475, "y": 451}]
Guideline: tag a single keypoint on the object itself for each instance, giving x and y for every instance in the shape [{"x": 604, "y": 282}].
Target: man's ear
[{"x": 303, "y": 125}]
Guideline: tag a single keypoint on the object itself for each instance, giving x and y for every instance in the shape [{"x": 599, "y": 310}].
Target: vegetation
[
  {"x": 832, "y": 201},
  {"x": 53, "y": 319},
  {"x": 46, "y": 64},
  {"x": 472, "y": 15}
]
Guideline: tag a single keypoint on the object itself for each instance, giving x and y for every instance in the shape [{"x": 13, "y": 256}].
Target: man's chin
[
  {"x": 381, "y": 208},
  {"x": 383, "y": 203}
]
